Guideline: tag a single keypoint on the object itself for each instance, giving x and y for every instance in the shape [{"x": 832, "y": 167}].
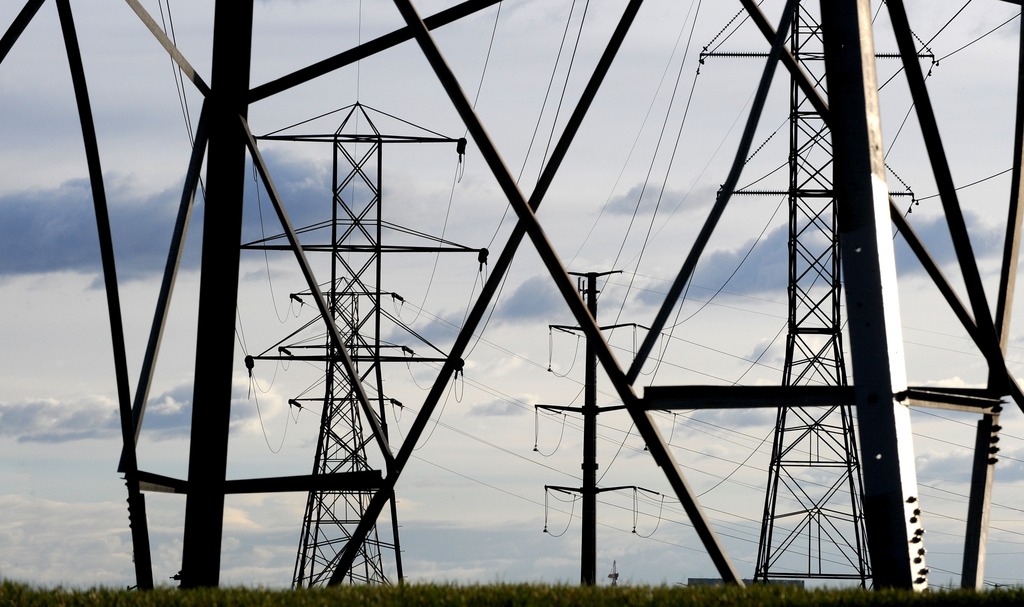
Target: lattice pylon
[
  {"x": 813, "y": 523},
  {"x": 342, "y": 442}
]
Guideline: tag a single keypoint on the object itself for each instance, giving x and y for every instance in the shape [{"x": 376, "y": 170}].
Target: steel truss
[
  {"x": 891, "y": 504},
  {"x": 813, "y": 524},
  {"x": 356, "y": 237}
]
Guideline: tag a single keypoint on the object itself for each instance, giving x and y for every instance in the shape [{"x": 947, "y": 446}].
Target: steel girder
[{"x": 891, "y": 482}]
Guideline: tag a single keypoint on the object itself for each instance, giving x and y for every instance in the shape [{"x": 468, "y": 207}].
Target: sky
[{"x": 630, "y": 197}]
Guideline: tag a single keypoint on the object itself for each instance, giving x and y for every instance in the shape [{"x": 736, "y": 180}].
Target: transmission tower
[
  {"x": 356, "y": 245},
  {"x": 813, "y": 523},
  {"x": 223, "y": 138}
]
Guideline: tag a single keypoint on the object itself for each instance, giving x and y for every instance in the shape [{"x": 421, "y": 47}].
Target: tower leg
[
  {"x": 218, "y": 294},
  {"x": 891, "y": 501}
]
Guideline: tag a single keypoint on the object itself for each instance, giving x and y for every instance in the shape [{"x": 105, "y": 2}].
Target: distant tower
[
  {"x": 355, "y": 237},
  {"x": 813, "y": 524}
]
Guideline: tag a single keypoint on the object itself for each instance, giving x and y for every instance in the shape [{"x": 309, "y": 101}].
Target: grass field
[{"x": 501, "y": 595}]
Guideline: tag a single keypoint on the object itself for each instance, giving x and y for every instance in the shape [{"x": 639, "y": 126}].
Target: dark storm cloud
[{"x": 54, "y": 230}]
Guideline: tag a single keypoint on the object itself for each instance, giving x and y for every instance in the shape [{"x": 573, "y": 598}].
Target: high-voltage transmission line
[
  {"x": 356, "y": 236},
  {"x": 879, "y": 390}
]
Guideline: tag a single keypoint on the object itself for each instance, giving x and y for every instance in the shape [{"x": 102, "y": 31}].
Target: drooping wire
[
  {"x": 266, "y": 255},
  {"x": 622, "y": 444},
  {"x": 636, "y": 513},
  {"x": 672, "y": 430},
  {"x": 490, "y": 313},
  {"x": 536, "y": 434},
  {"x": 943, "y": 28},
  {"x": 263, "y": 426},
  {"x": 677, "y": 322},
  {"x": 437, "y": 254},
  {"x": 657, "y": 148},
  {"x": 240, "y": 337},
  {"x": 572, "y": 510},
  {"x": 551, "y": 347},
  {"x": 459, "y": 375},
  {"x": 487, "y": 60},
  {"x": 973, "y": 183},
  {"x": 632, "y": 149},
  {"x": 565, "y": 84},
  {"x": 179, "y": 85},
  {"x": 437, "y": 421},
  {"x": 740, "y": 465},
  {"x": 460, "y": 166}
]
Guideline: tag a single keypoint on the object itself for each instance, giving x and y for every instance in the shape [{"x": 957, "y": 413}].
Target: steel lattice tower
[
  {"x": 880, "y": 391},
  {"x": 348, "y": 431},
  {"x": 813, "y": 524},
  {"x": 341, "y": 447}
]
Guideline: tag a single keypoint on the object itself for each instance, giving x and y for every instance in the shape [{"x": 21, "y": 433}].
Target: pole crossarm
[{"x": 563, "y": 408}]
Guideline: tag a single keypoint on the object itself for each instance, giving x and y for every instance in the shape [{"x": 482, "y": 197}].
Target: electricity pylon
[
  {"x": 813, "y": 523},
  {"x": 357, "y": 236}
]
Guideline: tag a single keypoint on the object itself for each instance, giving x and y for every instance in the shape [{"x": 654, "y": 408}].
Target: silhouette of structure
[
  {"x": 813, "y": 524},
  {"x": 893, "y": 510},
  {"x": 357, "y": 236},
  {"x": 588, "y": 491}
]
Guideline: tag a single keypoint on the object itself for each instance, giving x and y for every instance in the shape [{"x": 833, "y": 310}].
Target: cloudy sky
[{"x": 631, "y": 196}]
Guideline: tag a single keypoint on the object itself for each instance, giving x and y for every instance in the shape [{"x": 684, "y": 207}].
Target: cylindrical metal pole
[{"x": 588, "y": 554}]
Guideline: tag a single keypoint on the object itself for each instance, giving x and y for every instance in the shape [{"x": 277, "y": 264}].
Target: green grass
[{"x": 501, "y": 595}]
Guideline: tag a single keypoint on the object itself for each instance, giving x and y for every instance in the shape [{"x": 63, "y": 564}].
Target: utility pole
[{"x": 587, "y": 284}]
